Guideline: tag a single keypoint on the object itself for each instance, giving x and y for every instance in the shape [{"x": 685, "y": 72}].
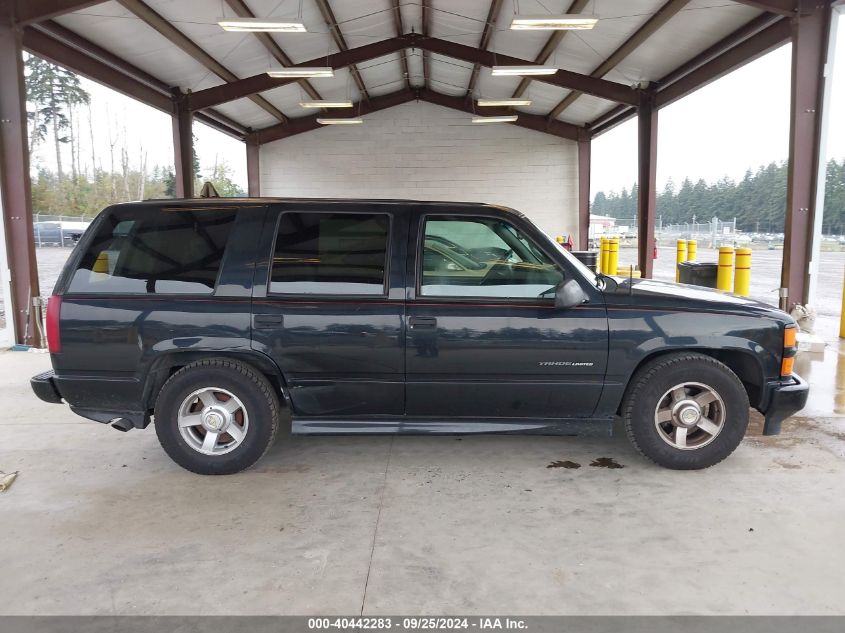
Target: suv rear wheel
[
  {"x": 685, "y": 411},
  {"x": 216, "y": 417}
]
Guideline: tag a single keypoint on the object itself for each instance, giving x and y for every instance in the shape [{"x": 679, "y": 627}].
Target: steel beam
[
  {"x": 56, "y": 31},
  {"x": 715, "y": 55},
  {"x": 179, "y": 39},
  {"x": 403, "y": 55},
  {"x": 183, "y": 150},
  {"x": 15, "y": 183},
  {"x": 562, "y": 78},
  {"x": 309, "y": 123},
  {"x": 809, "y": 57},
  {"x": 651, "y": 26},
  {"x": 425, "y": 20},
  {"x": 74, "y": 40},
  {"x": 340, "y": 41},
  {"x": 646, "y": 181},
  {"x": 747, "y": 51},
  {"x": 610, "y": 119},
  {"x": 271, "y": 46},
  {"x": 221, "y": 123},
  {"x": 259, "y": 83},
  {"x": 486, "y": 33},
  {"x": 584, "y": 164},
  {"x": 253, "y": 169},
  {"x": 549, "y": 47},
  {"x": 29, "y": 11},
  {"x": 734, "y": 38},
  {"x": 528, "y": 121},
  {"x": 39, "y": 43},
  {"x": 781, "y": 7}
]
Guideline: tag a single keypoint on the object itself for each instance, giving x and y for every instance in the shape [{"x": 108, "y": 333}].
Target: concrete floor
[{"x": 101, "y": 522}]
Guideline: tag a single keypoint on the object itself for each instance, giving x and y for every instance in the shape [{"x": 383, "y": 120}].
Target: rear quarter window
[{"x": 155, "y": 252}]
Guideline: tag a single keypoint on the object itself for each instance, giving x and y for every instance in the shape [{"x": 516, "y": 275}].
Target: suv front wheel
[
  {"x": 685, "y": 411},
  {"x": 216, "y": 416}
]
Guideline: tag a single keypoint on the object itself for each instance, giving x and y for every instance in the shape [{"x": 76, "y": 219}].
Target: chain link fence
[
  {"x": 712, "y": 233},
  {"x": 58, "y": 230}
]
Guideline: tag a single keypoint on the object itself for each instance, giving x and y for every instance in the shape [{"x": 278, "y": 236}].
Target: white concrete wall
[{"x": 426, "y": 152}]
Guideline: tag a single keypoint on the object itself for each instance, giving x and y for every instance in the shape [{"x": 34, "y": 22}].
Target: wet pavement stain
[
  {"x": 564, "y": 464},
  {"x": 606, "y": 462}
]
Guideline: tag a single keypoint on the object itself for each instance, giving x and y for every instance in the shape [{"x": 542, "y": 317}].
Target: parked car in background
[
  {"x": 58, "y": 233},
  {"x": 390, "y": 316}
]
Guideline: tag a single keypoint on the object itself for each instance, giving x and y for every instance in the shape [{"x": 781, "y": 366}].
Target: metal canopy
[
  {"x": 643, "y": 55},
  {"x": 385, "y": 47}
]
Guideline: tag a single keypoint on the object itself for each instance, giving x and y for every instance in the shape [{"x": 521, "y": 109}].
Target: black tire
[
  {"x": 249, "y": 386},
  {"x": 654, "y": 380}
]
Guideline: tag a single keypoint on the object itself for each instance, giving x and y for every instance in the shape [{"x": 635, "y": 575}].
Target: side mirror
[{"x": 569, "y": 294}]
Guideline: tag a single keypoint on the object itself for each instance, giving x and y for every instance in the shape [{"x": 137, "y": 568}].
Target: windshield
[{"x": 576, "y": 263}]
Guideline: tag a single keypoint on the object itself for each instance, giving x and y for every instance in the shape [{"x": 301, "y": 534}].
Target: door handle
[
  {"x": 422, "y": 323},
  {"x": 267, "y": 320}
]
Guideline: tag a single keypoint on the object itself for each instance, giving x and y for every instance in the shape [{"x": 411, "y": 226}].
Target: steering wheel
[{"x": 499, "y": 273}]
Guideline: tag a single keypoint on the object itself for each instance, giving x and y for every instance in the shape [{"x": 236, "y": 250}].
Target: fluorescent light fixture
[
  {"x": 504, "y": 102},
  {"x": 261, "y": 25},
  {"x": 534, "y": 69},
  {"x": 494, "y": 119},
  {"x": 299, "y": 72},
  {"x": 351, "y": 121},
  {"x": 569, "y": 22},
  {"x": 325, "y": 104}
]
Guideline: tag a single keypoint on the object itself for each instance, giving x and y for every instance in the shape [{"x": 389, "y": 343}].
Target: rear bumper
[
  {"x": 44, "y": 386},
  {"x": 786, "y": 397},
  {"x": 47, "y": 387}
]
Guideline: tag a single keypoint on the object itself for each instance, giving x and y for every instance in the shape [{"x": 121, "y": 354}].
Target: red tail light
[{"x": 54, "y": 337}]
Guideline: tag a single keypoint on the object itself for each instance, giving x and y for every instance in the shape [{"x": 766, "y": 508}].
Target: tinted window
[
  {"x": 330, "y": 253},
  {"x": 483, "y": 257},
  {"x": 161, "y": 252}
]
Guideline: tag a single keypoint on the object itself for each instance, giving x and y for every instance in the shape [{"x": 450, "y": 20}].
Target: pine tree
[{"x": 54, "y": 92}]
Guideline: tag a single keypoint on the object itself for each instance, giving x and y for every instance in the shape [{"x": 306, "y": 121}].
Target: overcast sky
[{"x": 736, "y": 123}]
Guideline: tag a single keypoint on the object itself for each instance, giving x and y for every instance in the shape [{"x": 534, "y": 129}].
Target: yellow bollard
[
  {"x": 613, "y": 256},
  {"x": 603, "y": 253},
  {"x": 101, "y": 264},
  {"x": 681, "y": 256},
  {"x": 842, "y": 313},
  {"x": 742, "y": 272},
  {"x": 726, "y": 268},
  {"x": 692, "y": 249}
]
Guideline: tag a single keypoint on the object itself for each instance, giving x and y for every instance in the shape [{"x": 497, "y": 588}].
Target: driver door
[{"x": 484, "y": 337}]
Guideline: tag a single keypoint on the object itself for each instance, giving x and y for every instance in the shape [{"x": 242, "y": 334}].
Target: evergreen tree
[
  {"x": 55, "y": 93},
  {"x": 758, "y": 201}
]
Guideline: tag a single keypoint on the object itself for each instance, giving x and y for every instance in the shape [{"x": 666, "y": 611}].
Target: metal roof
[{"x": 176, "y": 49}]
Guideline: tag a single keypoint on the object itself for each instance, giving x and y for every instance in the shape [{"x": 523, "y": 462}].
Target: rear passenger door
[{"x": 328, "y": 307}]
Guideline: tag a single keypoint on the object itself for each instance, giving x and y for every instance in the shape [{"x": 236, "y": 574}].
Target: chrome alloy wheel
[
  {"x": 689, "y": 415},
  {"x": 213, "y": 421}
]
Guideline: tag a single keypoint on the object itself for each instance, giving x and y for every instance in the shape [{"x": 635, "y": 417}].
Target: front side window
[
  {"x": 483, "y": 257},
  {"x": 330, "y": 253},
  {"x": 155, "y": 252}
]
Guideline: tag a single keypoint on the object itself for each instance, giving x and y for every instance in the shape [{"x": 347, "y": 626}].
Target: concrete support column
[
  {"x": 809, "y": 57},
  {"x": 646, "y": 181},
  {"x": 183, "y": 150},
  {"x": 584, "y": 163},
  {"x": 15, "y": 186},
  {"x": 253, "y": 168}
]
